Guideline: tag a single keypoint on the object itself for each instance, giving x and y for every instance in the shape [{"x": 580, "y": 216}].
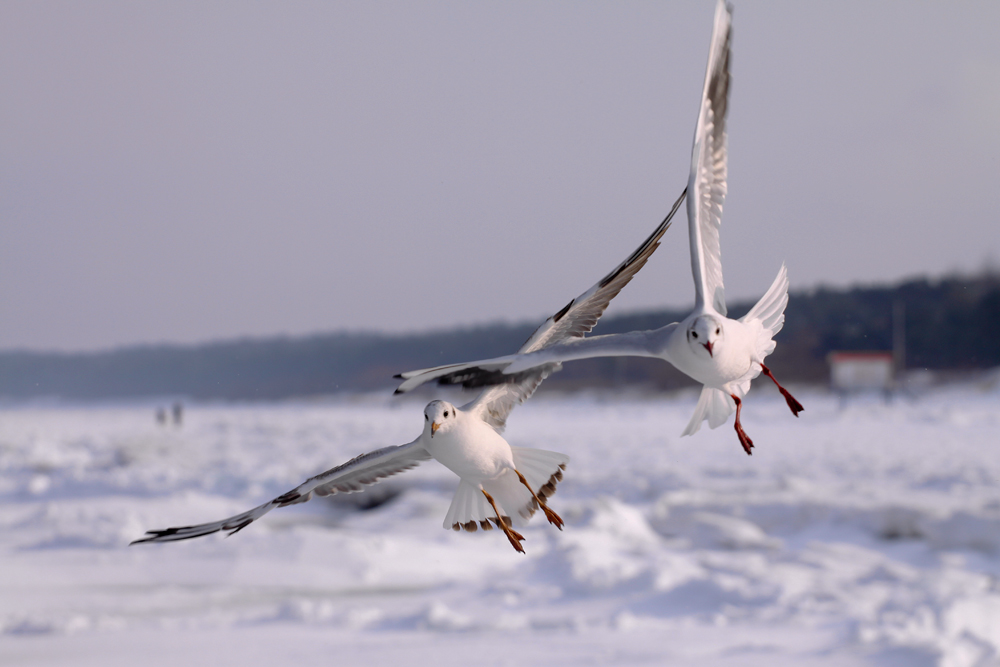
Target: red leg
[
  {"x": 512, "y": 535},
  {"x": 740, "y": 433},
  {"x": 553, "y": 518},
  {"x": 795, "y": 406}
]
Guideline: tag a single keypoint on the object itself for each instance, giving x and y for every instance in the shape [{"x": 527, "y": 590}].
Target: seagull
[
  {"x": 500, "y": 485},
  {"x": 723, "y": 354}
]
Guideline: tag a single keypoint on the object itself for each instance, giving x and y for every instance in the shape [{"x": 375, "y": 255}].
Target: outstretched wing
[
  {"x": 350, "y": 477},
  {"x": 707, "y": 181},
  {"x": 580, "y": 315},
  {"x": 574, "y": 320}
]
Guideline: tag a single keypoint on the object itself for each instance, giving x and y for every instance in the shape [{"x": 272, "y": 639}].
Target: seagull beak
[
  {"x": 708, "y": 346},
  {"x": 434, "y": 427}
]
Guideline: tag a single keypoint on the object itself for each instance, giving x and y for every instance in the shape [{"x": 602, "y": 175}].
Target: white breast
[
  {"x": 471, "y": 449},
  {"x": 731, "y": 360}
]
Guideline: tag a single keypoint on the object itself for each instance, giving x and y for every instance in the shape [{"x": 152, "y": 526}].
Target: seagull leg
[
  {"x": 553, "y": 518},
  {"x": 744, "y": 438},
  {"x": 512, "y": 535},
  {"x": 795, "y": 406}
]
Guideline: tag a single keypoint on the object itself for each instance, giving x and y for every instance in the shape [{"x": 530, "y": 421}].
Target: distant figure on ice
[
  {"x": 178, "y": 411},
  {"x": 161, "y": 416}
]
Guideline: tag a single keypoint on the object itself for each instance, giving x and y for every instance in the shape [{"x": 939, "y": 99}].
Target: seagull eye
[
  {"x": 445, "y": 413},
  {"x": 426, "y": 418},
  {"x": 694, "y": 334},
  {"x": 717, "y": 330}
]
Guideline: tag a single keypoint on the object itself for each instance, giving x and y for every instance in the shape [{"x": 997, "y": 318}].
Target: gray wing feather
[
  {"x": 632, "y": 344},
  {"x": 707, "y": 180},
  {"x": 580, "y": 315},
  {"x": 573, "y": 321},
  {"x": 349, "y": 477}
]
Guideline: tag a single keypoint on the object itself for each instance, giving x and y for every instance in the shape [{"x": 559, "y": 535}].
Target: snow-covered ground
[{"x": 862, "y": 535}]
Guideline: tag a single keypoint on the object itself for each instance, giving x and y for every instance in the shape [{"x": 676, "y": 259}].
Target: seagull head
[
  {"x": 439, "y": 415},
  {"x": 705, "y": 334}
]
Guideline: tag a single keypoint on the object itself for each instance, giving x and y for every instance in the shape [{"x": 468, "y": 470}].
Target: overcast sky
[{"x": 190, "y": 171}]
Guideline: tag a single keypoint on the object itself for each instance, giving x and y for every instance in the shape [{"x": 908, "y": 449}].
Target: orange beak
[
  {"x": 434, "y": 427},
  {"x": 708, "y": 346}
]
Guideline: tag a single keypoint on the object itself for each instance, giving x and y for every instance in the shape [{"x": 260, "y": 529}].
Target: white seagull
[
  {"x": 721, "y": 353},
  {"x": 498, "y": 483},
  {"x": 514, "y": 481}
]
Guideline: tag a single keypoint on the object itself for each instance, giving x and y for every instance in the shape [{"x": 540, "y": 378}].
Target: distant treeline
[{"x": 950, "y": 324}]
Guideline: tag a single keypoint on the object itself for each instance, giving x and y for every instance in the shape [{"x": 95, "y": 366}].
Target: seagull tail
[
  {"x": 713, "y": 405},
  {"x": 542, "y": 469},
  {"x": 469, "y": 509}
]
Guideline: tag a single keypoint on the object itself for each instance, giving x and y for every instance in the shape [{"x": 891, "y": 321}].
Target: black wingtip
[
  {"x": 558, "y": 316},
  {"x": 238, "y": 528},
  {"x": 150, "y": 536},
  {"x": 398, "y": 376},
  {"x": 398, "y": 392}
]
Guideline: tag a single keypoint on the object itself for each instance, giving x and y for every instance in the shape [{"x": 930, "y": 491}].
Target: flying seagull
[
  {"x": 721, "y": 353},
  {"x": 498, "y": 483}
]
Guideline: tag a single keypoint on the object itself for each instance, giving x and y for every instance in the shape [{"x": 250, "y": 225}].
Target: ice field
[{"x": 865, "y": 534}]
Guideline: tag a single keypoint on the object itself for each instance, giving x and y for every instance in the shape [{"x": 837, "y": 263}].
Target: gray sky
[{"x": 187, "y": 171}]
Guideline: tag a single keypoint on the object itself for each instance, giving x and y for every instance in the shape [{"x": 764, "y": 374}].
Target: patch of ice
[{"x": 867, "y": 535}]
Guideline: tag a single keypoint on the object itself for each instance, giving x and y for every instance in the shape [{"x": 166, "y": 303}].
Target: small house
[{"x": 858, "y": 371}]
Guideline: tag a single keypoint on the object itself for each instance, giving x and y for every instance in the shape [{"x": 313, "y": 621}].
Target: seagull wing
[
  {"x": 580, "y": 315},
  {"x": 350, "y": 477},
  {"x": 574, "y": 320},
  {"x": 707, "y": 182}
]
